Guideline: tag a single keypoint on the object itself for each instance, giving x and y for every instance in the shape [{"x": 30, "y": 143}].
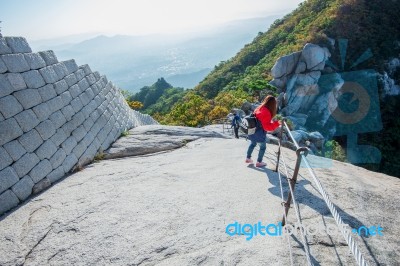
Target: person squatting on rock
[
  {"x": 235, "y": 124},
  {"x": 264, "y": 114}
]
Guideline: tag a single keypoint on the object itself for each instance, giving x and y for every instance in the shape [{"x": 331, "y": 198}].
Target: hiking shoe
[
  {"x": 260, "y": 164},
  {"x": 248, "y": 160}
]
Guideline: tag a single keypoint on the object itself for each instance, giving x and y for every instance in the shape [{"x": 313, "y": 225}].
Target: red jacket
[{"x": 264, "y": 116}]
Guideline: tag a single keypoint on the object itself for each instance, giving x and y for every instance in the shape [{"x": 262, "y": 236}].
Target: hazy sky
[{"x": 43, "y": 19}]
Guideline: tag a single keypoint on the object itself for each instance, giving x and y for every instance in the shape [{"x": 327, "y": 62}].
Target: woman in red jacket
[{"x": 264, "y": 114}]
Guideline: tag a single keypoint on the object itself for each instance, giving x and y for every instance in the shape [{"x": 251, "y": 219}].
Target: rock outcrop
[
  {"x": 307, "y": 97},
  {"x": 156, "y": 138},
  {"x": 54, "y": 116}
]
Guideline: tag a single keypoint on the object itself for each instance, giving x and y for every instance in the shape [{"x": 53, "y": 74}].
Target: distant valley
[{"x": 132, "y": 62}]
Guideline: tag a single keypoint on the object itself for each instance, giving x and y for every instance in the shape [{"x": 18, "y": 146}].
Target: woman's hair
[{"x": 270, "y": 103}]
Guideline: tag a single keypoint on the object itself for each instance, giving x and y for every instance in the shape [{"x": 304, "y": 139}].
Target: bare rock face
[
  {"x": 174, "y": 208},
  {"x": 285, "y": 65},
  {"x": 314, "y": 56},
  {"x": 309, "y": 95}
]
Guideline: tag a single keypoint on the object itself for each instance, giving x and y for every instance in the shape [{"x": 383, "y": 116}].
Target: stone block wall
[{"x": 54, "y": 116}]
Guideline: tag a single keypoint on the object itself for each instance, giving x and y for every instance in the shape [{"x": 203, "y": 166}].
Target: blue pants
[{"x": 261, "y": 152}]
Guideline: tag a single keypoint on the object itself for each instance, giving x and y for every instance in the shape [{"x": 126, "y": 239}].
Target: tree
[
  {"x": 135, "y": 105},
  {"x": 193, "y": 110}
]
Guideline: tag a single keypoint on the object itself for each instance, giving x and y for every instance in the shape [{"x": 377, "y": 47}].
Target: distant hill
[
  {"x": 372, "y": 25},
  {"x": 136, "y": 61}
]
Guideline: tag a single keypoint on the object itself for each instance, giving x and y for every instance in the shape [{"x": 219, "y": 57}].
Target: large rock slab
[
  {"x": 156, "y": 138},
  {"x": 172, "y": 209}
]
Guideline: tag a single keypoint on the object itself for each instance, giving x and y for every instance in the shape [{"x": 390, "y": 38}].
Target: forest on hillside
[{"x": 364, "y": 24}]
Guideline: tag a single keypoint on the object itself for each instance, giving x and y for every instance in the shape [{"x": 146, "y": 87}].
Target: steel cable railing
[
  {"x": 284, "y": 213},
  {"x": 284, "y": 205},
  {"x": 338, "y": 219}
]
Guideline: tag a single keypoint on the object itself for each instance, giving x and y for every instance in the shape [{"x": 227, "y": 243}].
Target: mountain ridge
[{"x": 136, "y": 61}]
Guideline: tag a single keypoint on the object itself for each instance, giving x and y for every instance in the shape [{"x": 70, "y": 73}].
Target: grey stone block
[
  {"x": 69, "y": 144},
  {"x": 5, "y": 86},
  {"x": 9, "y": 130},
  {"x": 27, "y": 120},
  {"x": 86, "y": 69},
  {"x": 75, "y": 91},
  {"x": 5, "y": 159},
  {"x": 35, "y": 61},
  {"x": 60, "y": 86},
  {"x": 92, "y": 105},
  {"x": 71, "y": 66},
  {"x": 58, "y": 158},
  {"x": 79, "y": 133},
  {"x": 84, "y": 98},
  {"x": 89, "y": 93},
  {"x": 18, "y": 45},
  {"x": 79, "y": 149},
  {"x": 49, "y": 75},
  {"x": 42, "y": 111},
  {"x": 96, "y": 88},
  {"x": 68, "y": 112},
  {"x": 59, "y": 137},
  {"x": 78, "y": 119},
  {"x": 49, "y": 57},
  {"x": 46, "y": 150},
  {"x": 56, "y": 174},
  {"x": 83, "y": 84},
  {"x": 70, "y": 162},
  {"x": 80, "y": 74},
  {"x": 88, "y": 123},
  {"x": 4, "y": 49},
  {"x": 15, "y": 63},
  {"x": 8, "y": 177},
  {"x": 76, "y": 104},
  {"x": 66, "y": 97},
  {"x": 98, "y": 100},
  {"x": 61, "y": 70},
  {"x": 46, "y": 129},
  {"x": 8, "y": 200},
  {"x": 9, "y": 106},
  {"x": 91, "y": 79},
  {"x": 58, "y": 119},
  {"x": 88, "y": 155},
  {"x": 25, "y": 164},
  {"x": 28, "y": 98},
  {"x": 97, "y": 75},
  {"x": 69, "y": 127},
  {"x": 40, "y": 171},
  {"x": 30, "y": 141},
  {"x": 71, "y": 79},
  {"x": 94, "y": 115},
  {"x": 33, "y": 79},
  {"x": 47, "y": 92},
  {"x": 88, "y": 138},
  {"x": 14, "y": 149},
  {"x": 55, "y": 104},
  {"x": 86, "y": 111},
  {"x": 16, "y": 81},
  {"x": 102, "y": 136},
  {"x": 23, "y": 188},
  {"x": 3, "y": 67},
  {"x": 42, "y": 185}
]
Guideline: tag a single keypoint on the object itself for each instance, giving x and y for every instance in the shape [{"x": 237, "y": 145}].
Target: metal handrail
[{"x": 338, "y": 219}]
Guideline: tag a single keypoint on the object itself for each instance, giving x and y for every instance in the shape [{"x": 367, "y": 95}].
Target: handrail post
[
  {"x": 279, "y": 146},
  {"x": 292, "y": 181}
]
